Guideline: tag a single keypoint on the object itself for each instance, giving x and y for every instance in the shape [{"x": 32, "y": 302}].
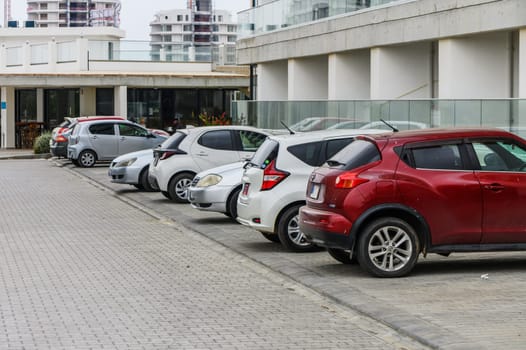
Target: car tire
[
  {"x": 231, "y": 203},
  {"x": 87, "y": 159},
  {"x": 271, "y": 237},
  {"x": 343, "y": 256},
  {"x": 388, "y": 247},
  {"x": 143, "y": 180},
  {"x": 289, "y": 233},
  {"x": 138, "y": 186},
  {"x": 166, "y": 194},
  {"x": 178, "y": 185}
]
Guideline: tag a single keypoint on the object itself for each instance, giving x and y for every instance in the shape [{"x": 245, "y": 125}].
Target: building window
[
  {"x": 104, "y": 101},
  {"x": 220, "y": 18},
  {"x": 231, "y": 29},
  {"x": 186, "y": 18},
  {"x": 43, "y": 16},
  {"x": 187, "y": 37},
  {"x": 187, "y": 28},
  {"x": 43, "y": 6},
  {"x": 179, "y": 18}
]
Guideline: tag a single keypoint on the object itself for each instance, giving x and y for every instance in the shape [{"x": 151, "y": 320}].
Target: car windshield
[
  {"x": 356, "y": 154},
  {"x": 173, "y": 141},
  {"x": 265, "y": 153}
]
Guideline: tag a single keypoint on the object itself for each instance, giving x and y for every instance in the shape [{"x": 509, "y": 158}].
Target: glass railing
[
  {"x": 127, "y": 50},
  {"x": 508, "y": 114},
  {"x": 285, "y": 13}
]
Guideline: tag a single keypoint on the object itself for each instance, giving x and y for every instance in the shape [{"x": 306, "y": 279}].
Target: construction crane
[{"x": 7, "y": 12}]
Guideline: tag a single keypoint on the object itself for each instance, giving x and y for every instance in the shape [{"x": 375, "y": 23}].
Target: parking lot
[{"x": 91, "y": 264}]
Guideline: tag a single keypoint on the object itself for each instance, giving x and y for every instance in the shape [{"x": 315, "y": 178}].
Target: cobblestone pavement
[
  {"x": 81, "y": 268},
  {"x": 444, "y": 303}
]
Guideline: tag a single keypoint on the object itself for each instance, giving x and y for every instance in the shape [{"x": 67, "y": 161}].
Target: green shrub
[{"x": 41, "y": 144}]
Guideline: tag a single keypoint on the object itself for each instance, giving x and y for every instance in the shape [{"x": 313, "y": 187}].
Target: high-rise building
[
  {"x": 192, "y": 33},
  {"x": 74, "y": 13}
]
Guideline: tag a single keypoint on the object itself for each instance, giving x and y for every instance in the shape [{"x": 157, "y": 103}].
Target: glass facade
[
  {"x": 157, "y": 108},
  {"x": 59, "y": 104}
]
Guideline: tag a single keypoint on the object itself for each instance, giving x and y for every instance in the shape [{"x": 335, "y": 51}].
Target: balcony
[{"x": 285, "y": 13}]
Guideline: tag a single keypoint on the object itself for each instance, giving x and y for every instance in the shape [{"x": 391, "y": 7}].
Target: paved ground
[
  {"x": 445, "y": 303},
  {"x": 82, "y": 267}
]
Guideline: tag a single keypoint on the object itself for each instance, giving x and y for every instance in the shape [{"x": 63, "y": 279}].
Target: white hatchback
[
  {"x": 275, "y": 181},
  {"x": 193, "y": 150}
]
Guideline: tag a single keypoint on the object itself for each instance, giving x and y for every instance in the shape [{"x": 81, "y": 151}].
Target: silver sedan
[
  {"x": 132, "y": 169},
  {"x": 217, "y": 189}
]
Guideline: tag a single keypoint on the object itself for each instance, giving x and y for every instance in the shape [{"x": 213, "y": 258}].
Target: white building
[
  {"x": 73, "y": 13},
  {"x": 433, "y": 50},
  {"x": 193, "y": 32},
  {"x": 47, "y": 74}
]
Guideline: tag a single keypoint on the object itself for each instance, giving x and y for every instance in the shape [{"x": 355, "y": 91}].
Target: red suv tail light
[
  {"x": 272, "y": 176},
  {"x": 349, "y": 180}
]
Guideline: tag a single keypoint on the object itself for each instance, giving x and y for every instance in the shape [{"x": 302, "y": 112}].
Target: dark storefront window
[
  {"x": 105, "y": 102},
  {"x": 157, "y": 108},
  {"x": 26, "y": 105},
  {"x": 59, "y": 104}
]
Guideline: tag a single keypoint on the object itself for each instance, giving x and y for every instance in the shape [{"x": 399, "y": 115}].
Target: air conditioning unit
[{"x": 12, "y": 24}]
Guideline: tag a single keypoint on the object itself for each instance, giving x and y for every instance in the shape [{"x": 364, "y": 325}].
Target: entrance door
[{"x": 59, "y": 104}]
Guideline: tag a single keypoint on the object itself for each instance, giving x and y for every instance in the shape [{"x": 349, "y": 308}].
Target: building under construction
[
  {"x": 73, "y": 13},
  {"x": 191, "y": 34}
]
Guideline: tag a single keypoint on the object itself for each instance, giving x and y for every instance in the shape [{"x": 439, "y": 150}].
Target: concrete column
[
  {"x": 82, "y": 49},
  {"x": 40, "y": 105},
  {"x": 7, "y": 117},
  {"x": 308, "y": 78},
  {"x": 475, "y": 67},
  {"x": 121, "y": 101},
  {"x": 88, "y": 101},
  {"x": 349, "y": 76},
  {"x": 272, "y": 81},
  {"x": 401, "y": 72},
  {"x": 522, "y": 64}
]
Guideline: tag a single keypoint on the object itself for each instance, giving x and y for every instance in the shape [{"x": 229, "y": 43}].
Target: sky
[{"x": 136, "y": 15}]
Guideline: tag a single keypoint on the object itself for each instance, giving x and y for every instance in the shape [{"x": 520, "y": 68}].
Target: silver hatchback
[{"x": 101, "y": 140}]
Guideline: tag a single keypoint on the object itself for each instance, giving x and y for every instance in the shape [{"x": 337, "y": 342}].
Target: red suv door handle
[{"x": 494, "y": 187}]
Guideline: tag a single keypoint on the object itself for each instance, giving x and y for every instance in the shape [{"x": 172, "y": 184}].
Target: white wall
[
  {"x": 308, "y": 78},
  {"x": 401, "y": 72},
  {"x": 272, "y": 81},
  {"x": 349, "y": 75},
  {"x": 88, "y": 101},
  {"x": 475, "y": 67},
  {"x": 7, "y": 121}
]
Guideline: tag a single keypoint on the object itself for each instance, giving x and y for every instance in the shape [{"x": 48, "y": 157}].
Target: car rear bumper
[
  {"x": 325, "y": 228},
  {"x": 58, "y": 149}
]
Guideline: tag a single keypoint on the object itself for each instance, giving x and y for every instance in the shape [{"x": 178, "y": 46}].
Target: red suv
[{"x": 385, "y": 199}]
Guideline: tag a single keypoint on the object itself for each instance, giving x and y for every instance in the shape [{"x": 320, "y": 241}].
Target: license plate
[{"x": 314, "y": 191}]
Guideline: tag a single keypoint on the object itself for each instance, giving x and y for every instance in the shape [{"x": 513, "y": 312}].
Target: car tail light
[
  {"x": 349, "y": 180},
  {"x": 74, "y": 140},
  {"x": 61, "y": 138},
  {"x": 272, "y": 176}
]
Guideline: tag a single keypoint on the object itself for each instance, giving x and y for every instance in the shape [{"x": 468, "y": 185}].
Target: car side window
[
  {"x": 500, "y": 156},
  {"x": 308, "y": 153},
  {"x": 217, "y": 139},
  {"x": 102, "y": 129},
  {"x": 250, "y": 140},
  {"x": 443, "y": 157},
  {"x": 132, "y": 130}
]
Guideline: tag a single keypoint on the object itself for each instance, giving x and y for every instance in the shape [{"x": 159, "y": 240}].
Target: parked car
[
  {"x": 132, "y": 169},
  {"x": 275, "y": 179},
  {"x": 383, "y": 200},
  {"x": 315, "y": 123},
  {"x": 189, "y": 151},
  {"x": 217, "y": 189},
  {"x": 58, "y": 145},
  {"x": 98, "y": 140},
  {"x": 398, "y": 124}
]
